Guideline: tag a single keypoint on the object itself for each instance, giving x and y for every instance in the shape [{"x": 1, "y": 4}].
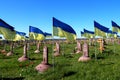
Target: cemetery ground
[{"x": 106, "y": 65}]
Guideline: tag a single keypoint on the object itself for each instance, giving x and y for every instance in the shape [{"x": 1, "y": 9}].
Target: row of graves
[{"x": 82, "y": 47}]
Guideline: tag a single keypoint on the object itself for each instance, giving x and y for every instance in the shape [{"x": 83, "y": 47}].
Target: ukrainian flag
[
  {"x": 82, "y": 34},
  {"x": 26, "y": 37},
  {"x": 47, "y": 34},
  {"x": 118, "y": 36},
  {"x": 63, "y": 30},
  {"x": 111, "y": 34},
  {"x": 6, "y": 30},
  {"x": 100, "y": 30},
  {"x": 19, "y": 36},
  {"x": 0, "y": 37},
  {"x": 115, "y": 27},
  {"x": 36, "y": 33},
  {"x": 89, "y": 34}
]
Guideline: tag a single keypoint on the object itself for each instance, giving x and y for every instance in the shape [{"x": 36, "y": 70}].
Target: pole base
[
  {"x": 3, "y": 52},
  {"x": 23, "y": 58},
  {"x": 84, "y": 59},
  {"x": 36, "y": 51},
  {"x": 9, "y": 53},
  {"x": 42, "y": 67},
  {"x": 78, "y": 51},
  {"x": 56, "y": 54}
]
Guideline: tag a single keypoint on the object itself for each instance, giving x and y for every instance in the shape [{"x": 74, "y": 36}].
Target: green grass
[{"x": 65, "y": 67}]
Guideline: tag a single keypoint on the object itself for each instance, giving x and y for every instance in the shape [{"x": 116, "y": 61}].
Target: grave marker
[
  {"x": 38, "y": 48},
  {"x": 11, "y": 50},
  {"x": 44, "y": 65},
  {"x": 85, "y": 56},
  {"x": 24, "y": 57},
  {"x": 57, "y": 49},
  {"x": 78, "y": 47}
]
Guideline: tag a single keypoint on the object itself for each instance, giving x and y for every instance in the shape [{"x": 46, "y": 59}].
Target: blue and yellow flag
[
  {"x": 26, "y": 37},
  {"x": 0, "y": 37},
  {"x": 63, "y": 30},
  {"x": 89, "y": 34},
  {"x": 36, "y": 33},
  {"x": 82, "y": 34},
  {"x": 19, "y": 36},
  {"x": 6, "y": 30},
  {"x": 115, "y": 27},
  {"x": 111, "y": 34},
  {"x": 47, "y": 34},
  {"x": 118, "y": 36},
  {"x": 100, "y": 30}
]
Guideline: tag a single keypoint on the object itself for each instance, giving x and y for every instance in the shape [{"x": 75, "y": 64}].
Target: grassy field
[{"x": 65, "y": 67}]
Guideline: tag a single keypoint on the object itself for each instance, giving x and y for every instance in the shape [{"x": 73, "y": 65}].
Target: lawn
[{"x": 64, "y": 67}]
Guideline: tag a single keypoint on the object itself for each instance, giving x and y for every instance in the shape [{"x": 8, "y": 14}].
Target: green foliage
[{"x": 65, "y": 67}]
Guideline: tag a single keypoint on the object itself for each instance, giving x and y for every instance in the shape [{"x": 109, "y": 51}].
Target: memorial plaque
[
  {"x": 45, "y": 55},
  {"x": 57, "y": 49},
  {"x": 44, "y": 65},
  {"x": 78, "y": 47},
  {"x": 24, "y": 57},
  {"x": 11, "y": 50},
  {"x": 38, "y": 48},
  {"x": 85, "y": 56},
  {"x": 85, "y": 49}
]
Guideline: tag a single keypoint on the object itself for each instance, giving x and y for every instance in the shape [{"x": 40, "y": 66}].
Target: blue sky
[{"x": 79, "y": 14}]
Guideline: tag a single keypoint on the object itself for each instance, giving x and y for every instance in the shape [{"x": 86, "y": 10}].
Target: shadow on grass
[
  {"x": 108, "y": 63},
  {"x": 69, "y": 73},
  {"x": 32, "y": 59},
  {"x": 108, "y": 51},
  {"x": 69, "y": 56},
  {"x": 61, "y": 65},
  {"x": 16, "y": 78},
  {"x": 97, "y": 57},
  {"x": 102, "y": 55},
  {"x": 17, "y": 53},
  {"x": 5, "y": 57}
]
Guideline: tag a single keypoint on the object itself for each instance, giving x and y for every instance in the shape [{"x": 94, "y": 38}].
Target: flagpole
[
  {"x": 95, "y": 48},
  {"x": 114, "y": 44},
  {"x": 63, "y": 46},
  {"x": 53, "y": 58},
  {"x": 4, "y": 42}
]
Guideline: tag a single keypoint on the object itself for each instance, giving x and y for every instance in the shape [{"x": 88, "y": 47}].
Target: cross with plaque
[{"x": 101, "y": 48}]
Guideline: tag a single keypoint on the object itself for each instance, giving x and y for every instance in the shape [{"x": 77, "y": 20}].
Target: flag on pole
[
  {"x": 36, "y": 33},
  {"x": 111, "y": 34},
  {"x": 115, "y": 27},
  {"x": 100, "y": 30},
  {"x": 89, "y": 34},
  {"x": 0, "y": 37},
  {"x": 20, "y": 36},
  {"x": 63, "y": 30},
  {"x": 82, "y": 34},
  {"x": 47, "y": 34},
  {"x": 6, "y": 30}
]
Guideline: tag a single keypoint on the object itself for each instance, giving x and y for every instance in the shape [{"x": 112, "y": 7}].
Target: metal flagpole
[{"x": 53, "y": 58}]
